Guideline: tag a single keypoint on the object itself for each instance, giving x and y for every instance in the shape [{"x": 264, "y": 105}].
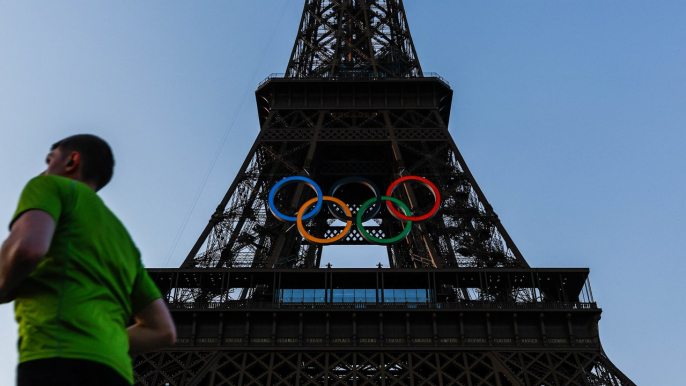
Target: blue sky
[{"x": 570, "y": 115}]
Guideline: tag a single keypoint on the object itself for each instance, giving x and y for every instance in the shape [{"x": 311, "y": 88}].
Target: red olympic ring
[{"x": 423, "y": 181}]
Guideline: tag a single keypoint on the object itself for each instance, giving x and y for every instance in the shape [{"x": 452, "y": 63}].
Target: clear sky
[{"x": 570, "y": 114}]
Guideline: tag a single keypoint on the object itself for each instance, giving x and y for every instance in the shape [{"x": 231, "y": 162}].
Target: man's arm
[
  {"x": 27, "y": 244},
  {"x": 154, "y": 329}
]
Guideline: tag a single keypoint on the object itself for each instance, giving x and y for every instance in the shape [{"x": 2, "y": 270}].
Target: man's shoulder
[
  {"x": 83, "y": 205},
  {"x": 49, "y": 181},
  {"x": 58, "y": 185},
  {"x": 66, "y": 190},
  {"x": 46, "y": 193}
]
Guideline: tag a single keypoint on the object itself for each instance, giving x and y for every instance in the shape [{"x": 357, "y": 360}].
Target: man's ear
[{"x": 73, "y": 162}]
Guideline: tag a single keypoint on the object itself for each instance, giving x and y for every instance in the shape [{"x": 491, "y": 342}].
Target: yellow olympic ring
[{"x": 317, "y": 240}]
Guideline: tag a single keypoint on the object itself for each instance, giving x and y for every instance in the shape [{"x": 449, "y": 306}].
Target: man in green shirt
[{"x": 76, "y": 277}]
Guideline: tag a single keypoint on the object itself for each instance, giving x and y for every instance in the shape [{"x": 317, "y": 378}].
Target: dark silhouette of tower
[{"x": 459, "y": 304}]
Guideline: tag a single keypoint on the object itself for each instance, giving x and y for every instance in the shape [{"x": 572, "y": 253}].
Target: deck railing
[
  {"x": 361, "y": 305},
  {"x": 356, "y": 76}
]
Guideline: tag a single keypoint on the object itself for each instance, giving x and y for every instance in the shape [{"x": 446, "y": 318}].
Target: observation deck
[{"x": 420, "y": 308}]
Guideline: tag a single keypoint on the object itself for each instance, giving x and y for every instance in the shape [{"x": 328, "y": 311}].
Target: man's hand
[
  {"x": 20, "y": 254},
  {"x": 154, "y": 329}
]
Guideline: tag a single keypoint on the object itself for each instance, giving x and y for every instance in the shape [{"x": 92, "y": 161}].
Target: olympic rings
[
  {"x": 423, "y": 181},
  {"x": 371, "y": 206},
  {"x": 332, "y": 240}
]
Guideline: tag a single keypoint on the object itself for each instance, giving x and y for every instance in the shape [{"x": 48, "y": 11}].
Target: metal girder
[
  {"x": 460, "y": 305},
  {"x": 330, "y": 143},
  {"x": 349, "y": 38},
  {"x": 361, "y": 368}
]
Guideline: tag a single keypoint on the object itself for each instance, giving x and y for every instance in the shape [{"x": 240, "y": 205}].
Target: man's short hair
[{"x": 96, "y": 157}]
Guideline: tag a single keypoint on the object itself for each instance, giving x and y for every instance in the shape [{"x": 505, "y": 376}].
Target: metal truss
[
  {"x": 367, "y": 368},
  {"x": 248, "y": 327},
  {"x": 241, "y": 233},
  {"x": 353, "y": 38},
  {"x": 465, "y": 233},
  {"x": 252, "y": 306}
]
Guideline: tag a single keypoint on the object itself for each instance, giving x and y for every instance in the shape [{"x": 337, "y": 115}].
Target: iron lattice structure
[
  {"x": 353, "y": 38},
  {"x": 460, "y": 304}
]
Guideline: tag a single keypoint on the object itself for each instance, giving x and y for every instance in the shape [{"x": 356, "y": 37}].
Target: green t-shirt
[{"x": 77, "y": 302}]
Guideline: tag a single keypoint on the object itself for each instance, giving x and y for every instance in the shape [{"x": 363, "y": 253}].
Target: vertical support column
[
  {"x": 552, "y": 367},
  {"x": 410, "y": 366},
  {"x": 176, "y": 286},
  {"x": 382, "y": 364},
  {"x": 247, "y": 329},
  {"x": 270, "y": 370},
  {"x": 488, "y": 329},
  {"x": 381, "y": 338},
  {"x": 273, "y": 329},
  {"x": 185, "y": 368},
  {"x": 408, "y": 335},
  {"x": 328, "y": 330},
  {"x": 462, "y": 329},
  {"x": 354, "y": 337},
  {"x": 159, "y": 366},
  {"x": 298, "y": 367},
  {"x": 220, "y": 333},
  {"x": 570, "y": 330},
  {"x": 579, "y": 366},
  {"x": 525, "y": 368},
  {"x": 435, "y": 328},
  {"x": 326, "y": 368},
  {"x": 242, "y": 372},
  {"x": 193, "y": 328},
  {"x": 400, "y": 167},
  {"x": 467, "y": 368},
  {"x": 439, "y": 368},
  {"x": 300, "y": 329},
  {"x": 281, "y": 241}
]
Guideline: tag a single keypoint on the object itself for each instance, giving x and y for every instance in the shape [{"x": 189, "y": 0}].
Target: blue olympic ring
[{"x": 290, "y": 180}]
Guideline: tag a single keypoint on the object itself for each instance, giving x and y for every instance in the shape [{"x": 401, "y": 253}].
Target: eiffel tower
[{"x": 459, "y": 305}]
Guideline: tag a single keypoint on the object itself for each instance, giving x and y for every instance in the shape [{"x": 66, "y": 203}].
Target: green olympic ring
[{"x": 367, "y": 236}]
